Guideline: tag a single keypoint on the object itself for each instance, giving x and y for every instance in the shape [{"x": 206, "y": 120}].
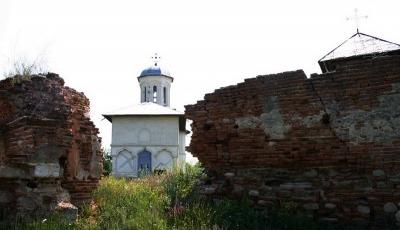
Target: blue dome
[{"x": 155, "y": 71}]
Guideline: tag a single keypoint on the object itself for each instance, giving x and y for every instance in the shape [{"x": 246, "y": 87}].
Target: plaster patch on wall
[
  {"x": 46, "y": 170},
  {"x": 270, "y": 121},
  {"x": 381, "y": 124},
  {"x": 250, "y": 122},
  {"x": 96, "y": 166},
  {"x": 308, "y": 121},
  {"x": 82, "y": 174},
  {"x": 395, "y": 88}
]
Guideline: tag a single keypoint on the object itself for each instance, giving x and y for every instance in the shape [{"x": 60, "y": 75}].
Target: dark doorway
[{"x": 144, "y": 162}]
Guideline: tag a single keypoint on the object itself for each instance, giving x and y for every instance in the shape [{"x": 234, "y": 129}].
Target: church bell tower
[{"x": 155, "y": 83}]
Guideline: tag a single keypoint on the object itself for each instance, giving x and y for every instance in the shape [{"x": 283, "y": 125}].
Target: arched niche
[
  {"x": 164, "y": 160},
  {"x": 124, "y": 162},
  {"x": 144, "y": 136}
]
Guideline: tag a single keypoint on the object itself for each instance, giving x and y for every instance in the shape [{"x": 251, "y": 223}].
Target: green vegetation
[
  {"x": 107, "y": 162},
  {"x": 170, "y": 201},
  {"x": 23, "y": 69}
]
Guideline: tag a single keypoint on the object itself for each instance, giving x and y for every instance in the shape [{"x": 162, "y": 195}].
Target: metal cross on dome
[
  {"x": 156, "y": 59},
  {"x": 356, "y": 18}
]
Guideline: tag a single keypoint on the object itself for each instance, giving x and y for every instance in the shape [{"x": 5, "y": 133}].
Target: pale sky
[{"x": 100, "y": 47}]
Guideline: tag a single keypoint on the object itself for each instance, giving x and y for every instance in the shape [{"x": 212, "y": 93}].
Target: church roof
[
  {"x": 143, "y": 109},
  {"x": 360, "y": 44},
  {"x": 155, "y": 70}
]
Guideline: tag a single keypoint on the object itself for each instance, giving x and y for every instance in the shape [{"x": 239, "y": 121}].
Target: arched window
[
  {"x": 165, "y": 95},
  {"x": 154, "y": 93}
]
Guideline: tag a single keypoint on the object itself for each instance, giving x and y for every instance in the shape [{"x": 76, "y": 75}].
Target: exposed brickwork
[
  {"x": 330, "y": 143},
  {"x": 49, "y": 149}
]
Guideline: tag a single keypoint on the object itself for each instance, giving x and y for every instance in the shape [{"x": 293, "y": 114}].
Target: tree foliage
[{"x": 107, "y": 162}]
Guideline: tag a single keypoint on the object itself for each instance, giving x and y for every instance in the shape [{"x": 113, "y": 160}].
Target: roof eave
[
  {"x": 159, "y": 75},
  {"x": 358, "y": 33},
  {"x": 108, "y": 117},
  {"x": 361, "y": 55}
]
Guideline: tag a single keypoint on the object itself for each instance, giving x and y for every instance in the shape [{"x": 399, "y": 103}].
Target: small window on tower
[
  {"x": 145, "y": 94},
  {"x": 154, "y": 93},
  {"x": 165, "y": 95}
]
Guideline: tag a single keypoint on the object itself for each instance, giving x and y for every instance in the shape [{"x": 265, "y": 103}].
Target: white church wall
[
  {"x": 182, "y": 142},
  {"x": 182, "y": 146},
  {"x": 145, "y": 130},
  {"x": 157, "y": 134},
  {"x": 125, "y": 159}
]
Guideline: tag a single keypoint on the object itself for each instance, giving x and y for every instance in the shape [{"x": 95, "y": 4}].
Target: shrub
[
  {"x": 107, "y": 163},
  {"x": 179, "y": 185}
]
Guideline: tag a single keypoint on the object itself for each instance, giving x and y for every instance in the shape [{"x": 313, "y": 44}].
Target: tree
[{"x": 107, "y": 162}]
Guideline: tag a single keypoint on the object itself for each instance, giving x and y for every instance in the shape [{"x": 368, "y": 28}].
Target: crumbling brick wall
[
  {"x": 330, "y": 143},
  {"x": 49, "y": 148}
]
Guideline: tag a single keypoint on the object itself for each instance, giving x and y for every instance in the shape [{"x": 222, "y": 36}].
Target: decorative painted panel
[
  {"x": 164, "y": 160},
  {"x": 124, "y": 162}
]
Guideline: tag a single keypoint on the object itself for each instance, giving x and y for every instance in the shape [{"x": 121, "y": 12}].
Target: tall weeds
[{"x": 169, "y": 201}]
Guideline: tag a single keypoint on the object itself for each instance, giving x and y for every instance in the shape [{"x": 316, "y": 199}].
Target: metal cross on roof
[
  {"x": 156, "y": 59},
  {"x": 356, "y": 18}
]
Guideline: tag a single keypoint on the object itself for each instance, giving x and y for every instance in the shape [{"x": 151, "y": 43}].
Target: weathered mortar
[
  {"x": 330, "y": 143},
  {"x": 271, "y": 120},
  {"x": 49, "y": 149},
  {"x": 380, "y": 124}
]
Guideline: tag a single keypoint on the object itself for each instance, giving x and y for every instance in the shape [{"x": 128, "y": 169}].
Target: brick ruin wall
[
  {"x": 329, "y": 143},
  {"x": 49, "y": 148}
]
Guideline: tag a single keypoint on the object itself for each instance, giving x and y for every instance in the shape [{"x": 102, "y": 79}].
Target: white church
[{"x": 149, "y": 136}]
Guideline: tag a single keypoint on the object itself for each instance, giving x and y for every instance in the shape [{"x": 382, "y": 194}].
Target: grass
[
  {"x": 23, "y": 68},
  {"x": 170, "y": 201}
]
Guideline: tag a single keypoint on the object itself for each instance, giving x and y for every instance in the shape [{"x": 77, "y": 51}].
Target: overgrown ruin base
[
  {"x": 49, "y": 149},
  {"x": 329, "y": 143}
]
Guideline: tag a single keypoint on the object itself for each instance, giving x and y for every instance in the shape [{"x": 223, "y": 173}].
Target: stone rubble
[{"x": 49, "y": 149}]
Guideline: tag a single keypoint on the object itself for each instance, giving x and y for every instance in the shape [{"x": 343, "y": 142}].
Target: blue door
[{"x": 144, "y": 162}]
